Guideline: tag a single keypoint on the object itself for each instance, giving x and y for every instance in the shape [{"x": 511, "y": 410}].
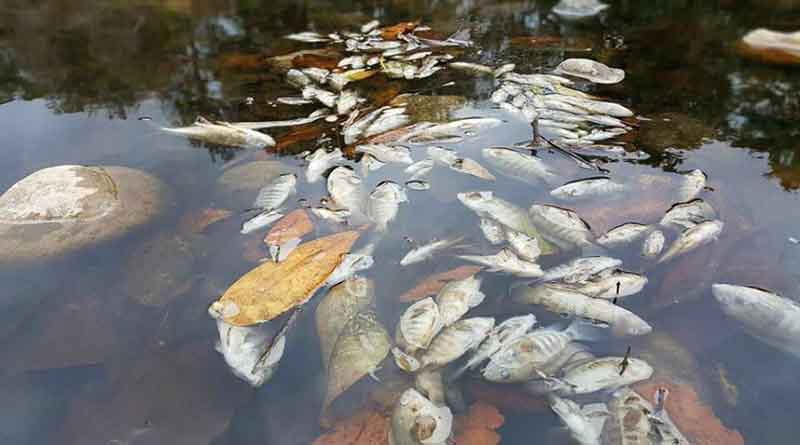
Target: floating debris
[
  {"x": 578, "y": 9},
  {"x": 590, "y": 70},
  {"x": 223, "y": 133}
]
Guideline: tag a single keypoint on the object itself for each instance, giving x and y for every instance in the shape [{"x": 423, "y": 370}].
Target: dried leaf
[
  {"x": 296, "y": 224},
  {"x": 314, "y": 61},
  {"x": 284, "y": 62},
  {"x": 243, "y": 62},
  {"x": 478, "y": 426},
  {"x": 693, "y": 417},
  {"x": 197, "y": 222},
  {"x": 271, "y": 289},
  {"x": 506, "y": 397},
  {"x": 301, "y": 134},
  {"x": 340, "y": 304},
  {"x": 391, "y": 32},
  {"x": 431, "y": 285},
  {"x": 367, "y": 427}
]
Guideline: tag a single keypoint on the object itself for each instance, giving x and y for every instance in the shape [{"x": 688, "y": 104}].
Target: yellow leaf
[{"x": 271, "y": 289}]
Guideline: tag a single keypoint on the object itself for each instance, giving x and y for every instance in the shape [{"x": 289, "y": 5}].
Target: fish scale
[
  {"x": 523, "y": 167},
  {"x": 562, "y": 227},
  {"x": 455, "y": 340},
  {"x": 418, "y": 325},
  {"x": 274, "y": 194},
  {"x": 520, "y": 360}
]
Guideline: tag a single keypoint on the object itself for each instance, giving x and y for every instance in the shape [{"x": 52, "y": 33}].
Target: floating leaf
[
  {"x": 367, "y": 427},
  {"x": 391, "y": 32},
  {"x": 197, "y": 222},
  {"x": 301, "y": 134},
  {"x": 314, "y": 61},
  {"x": 478, "y": 426},
  {"x": 243, "y": 62},
  {"x": 288, "y": 231},
  {"x": 340, "y": 304},
  {"x": 431, "y": 285},
  {"x": 271, "y": 289},
  {"x": 361, "y": 347}
]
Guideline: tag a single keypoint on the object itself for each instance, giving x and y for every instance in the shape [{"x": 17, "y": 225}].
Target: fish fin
[{"x": 582, "y": 330}]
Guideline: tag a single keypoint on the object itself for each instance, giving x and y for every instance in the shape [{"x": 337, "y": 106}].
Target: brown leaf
[
  {"x": 367, "y": 427},
  {"x": 506, "y": 397},
  {"x": 431, "y": 285},
  {"x": 391, "y": 32},
  {"x": 478, "y": 426},
  {"x": 314, "y": 61},
  {"x": 285, "y": 62},
  {"x": 271, "y": 289},
  {"x": 300, "y": 134},
  {"x": 243, "y": 62},
  {"x": 693, "y": 417},
  {"x": 294, "y": 225},
  {"x": 197, "y": 222}
]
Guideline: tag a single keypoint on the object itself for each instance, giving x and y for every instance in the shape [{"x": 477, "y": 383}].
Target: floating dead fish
[
  {"x": 419, "y": 169},
  {"x": 600, "y": 186},
  {"x": 294, "y": 101},
  {"x": 472, "y": 68},
  {"x": 370, "y": 164},
  {"x": 685, "y": 215},
  {"x": 504, "y": 69},
  {"x": 769, "y": 317},
  {"x": 588, "y": 106},
  {"x": 492, "y": 230},
  {"x": 455, "y": 340},
  {"x": 443, "y": 156},
  {"x": 260, "y": 221},
  {"x": 580, "y": 269},
  {"x": 585, "y": 424},
  {"x": 486, "y": 205},
  {"x": 562, "y": 300},
  {"x": 370, "y": 26},
  {"x": 562, "y": 227},
  {"x": 387, "y": 153},
  {"x": 355, "y": 62},
  {"x": 472, "y": 168},
  {"x": 336, "y": 215},
  {"x": 427, "y": 251},
  {"x": 346, "y": 102},
  {"x": 324, "y": 97},
  {"x": 603, "y": 374},
  {"x": 351, "y": 264},
  {"x": 308, "y": 37},
  {"x": 278, "y": 124},
  {"x": 320, "y": 161},
  {"x": 590, "y": 70},
  {"x": 692, "y": 183},
  {"x": 390, "y": 119},
  {"x": 318, "y": 75},
  {"x": 526, "y": 247},
  {"x": 537, "y": 80},
  {"x": 503, "y": 334},
  {"x": 699, "y": 235},
  {"x": 416, "y": 420},
  {"x": 457, "y": 297},
  {"x": 274, "y": 194},
  {"x": 223, "y": 133},
  {"x": 418, "y": 326},
  {"x": 344, "y": 186},
  {"x": 341, "y": 303},
  {"x": 665, "y": 429},
  {"x": 506, "y": 261},
  {"x": 524, "y": 167},
  {"x": 653, "y": 244},
  {"x": 297, "y": 78},
  {"x": 446, "y": 131},
  {"x": 418, "y": 185},
  {"x": 617, "y": 284},
  {"x": 624, "y": 233},
  {"x": 628, "y": 422},
  {"x": 384, "y": 203}
]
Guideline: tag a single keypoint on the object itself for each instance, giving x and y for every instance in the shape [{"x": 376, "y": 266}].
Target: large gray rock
[{"x": 61, "y": 209}]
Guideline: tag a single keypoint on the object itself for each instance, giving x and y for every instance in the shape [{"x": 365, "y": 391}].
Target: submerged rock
[
  {"x": 62, "y": 209},
  {"x": 159, "y": 270},
  {"x": 251, "y": 176}
]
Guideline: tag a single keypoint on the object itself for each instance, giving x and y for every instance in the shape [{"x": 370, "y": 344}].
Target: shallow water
[{"x": 84, "y": 363}]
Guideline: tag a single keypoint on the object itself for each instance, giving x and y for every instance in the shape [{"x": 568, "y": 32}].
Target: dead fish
[
  {"x": 526, "y": 247},
  {"x": 523, "y": 167},
  {"x": 297, "y": 78},
  {"x": 471, "y": 167},
  {"x": 324, "y": 97},
  {"x": 624, "y": 233},
  {"x": 355, "y": 62},
  {"x": 457, "y": 297},
  {"x": 628, "y": 422},
  {"x": 506, "y": 261},
  {"x": 344, "y": 186},
  {"x": 602, "y": 374},
  {"x": 472, "y": 68},
  {"x": 442, "y": 156},
  {"x": 492, "y": 230},
  {"x": 406, "y": 362},
  {"x": 416, "y": 420},
  {"x": 278, "y": 124},
  {"x": 369, "y": 26},
  {"x": 692, "y": 183},
  {"x": 418, "y": 325},
  {"x": 585, "y": 424},
  {"x": 537, "y": 80},
  {"x": 388, "y": 120},
  {"x": 355, "y": 126},
  {"x": 699, "y": 235},
  {"x": 223, "y": 133},
  {"x": 260, "y": 221},
  {"x": 685, "y": 215},
  {"x": 600, "y": 186},
  {"x": 318, "y": 75},
  {"x": 387, "y": 153},
  {"x": 502, "y": 335},
  {"x": 320, "y": 161},
  {"x": 562, "y": 227},
  {"x": 653, "y": 244},
  {"x": 308, "y": 37},
  {"x": 561, "y": 299},
  {"x": 419, "y": 169},
  {"x": 427, "y": 251},
  {"x": 274, "y": 194},
  {"x": 346, "y": 101},
  {"x": 370, "y": 164},
  {"x": 294, "y": 101},
  {"x": 460, "y": 127},
  {"x": 590, "y": 70},
  {"x": 769, "y": 317},
  {"x": 455, "y": 340},
  {"x": 614, "y": 285},
  {"x": 418, "y": 185},
  {"x": 351, "y": 264},
  {"x": 336, "y": 215},
  {"x": 587, "y": 106},
  {"x": 499, "y": 96},
  {"x": 665, "y": 429},
  {"x": 486, "y": 205},
  {"x": 384, "y": 203},
  {"x": 503, "y": 69}
]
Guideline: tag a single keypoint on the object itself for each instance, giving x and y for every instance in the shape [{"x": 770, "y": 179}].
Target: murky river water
[{"x": 83, "y": 361}]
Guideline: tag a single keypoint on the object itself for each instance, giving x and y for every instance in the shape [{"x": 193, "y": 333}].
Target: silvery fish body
[
  {"x": 624, "y": 233},
  {"x": 773, "y": 319},
  {"x": 524, "y": 167},
  {"x": 451, "y": 129},
  {"x": 308, "y": 37},
  {"x": 442, "y": 156},
  {"x": 526, "y": 247},
  {"x": 418, "y": 325},
  {"x": 458, "y": 297},
  {"x": 336, "y": 215},
  {"x": 504, "y": 69},
  {"x": 419, "y": 169},
  {"x": 387, "y": 121},
  {"x": 617, "y": 284},
  {"x": 502, "y": 335},
  {"x": 538, "y": 80},
  {"x": 324, "y": 97},
  {"x": 455, "y": 340},
  {"x": 416, "y": 420},
  {"x": 506, "y": 261},
  {"x": 297, "y": 78},
  {"x": 561, "y": 299},
  {"x": 585, "y": 424},
  {"x": 604, "y": 374},
  {"x": 692, "y": 238},
  {"x": 346, "y": 101},
  {"x": 426, "y": 251},
  {"x": 588, "y": 69},
  {"x": 521, "y": 359},
  {"x": 223, "y": 133},
  {"x": 665, "y": 430},
  {"x": 260, "y": 221},
  {"x": 471, "y": 167},
  {"x": 562, "y": 227},
  {"x": 653, "y": 244},
  {"x": 355, "y": 62},
  {"x": 351, "y": 264},
  {"x": 384, "y": 203},
  {"x": 431, "y": 384},
  {"x": 344, "y": 186},
  {"x": 370, "y": 164},
  {"x": 274, "y": 194},
  {"x": 685, "y": 215},
  {"x": 628, "y": 422},
  {"x": 472, "y": 68},
  {"x": 369, "y": 26},
  {"x": 355, "y": 129},
  {"x": 577, "y": 9},
  {"x": 692, "y": 183},
  {"x": 592, "y": 106},
  {"x": 418, "y": 185},
  {"x": 587, "y": 188},
  {"x": 580, "y": 269},
  {"x": 492, "y": 230},
  {"x": 486, "y": 205},
  {"x": 387, "y": 153}
]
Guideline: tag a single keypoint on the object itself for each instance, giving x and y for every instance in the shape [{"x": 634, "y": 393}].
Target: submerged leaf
[
  {"x": 307, "y": 60},
  {"x": 431, "y": 285},
  {"x": 271, "y": 289},
  {"x": 294, "y": 225},
  {"x": 340, "y": 304},
  {"x": 197, "y": 222},
  {"x": 478, "y": 426},
  {"x": 367, "y": 427}
]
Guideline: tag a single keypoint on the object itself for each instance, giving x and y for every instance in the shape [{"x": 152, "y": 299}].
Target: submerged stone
[{"x": 62, "y": 209}]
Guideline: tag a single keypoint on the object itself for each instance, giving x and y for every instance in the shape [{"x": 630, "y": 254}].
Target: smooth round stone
[
  {"x": 251, "y": 176},
  {"x": 62, "y": 209}
]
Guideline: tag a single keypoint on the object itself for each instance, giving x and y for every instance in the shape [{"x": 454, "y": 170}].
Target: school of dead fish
[{"x": 437, "y": 339}]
